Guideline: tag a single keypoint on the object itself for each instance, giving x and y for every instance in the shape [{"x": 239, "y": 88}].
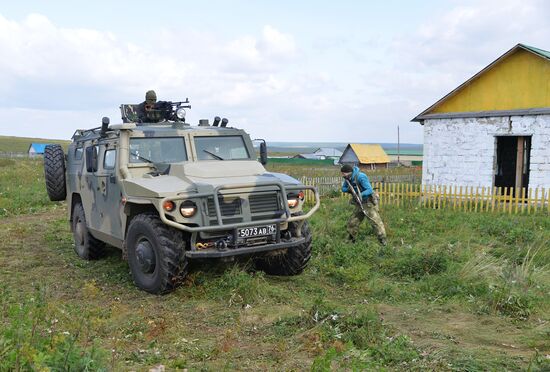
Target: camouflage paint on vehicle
[{"x": 127, "y": 185}]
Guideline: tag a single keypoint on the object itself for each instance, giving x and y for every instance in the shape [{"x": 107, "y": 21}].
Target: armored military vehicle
[{"x": 166, "y": 192}]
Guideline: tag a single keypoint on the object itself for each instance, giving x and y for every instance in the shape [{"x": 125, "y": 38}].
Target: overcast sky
[{"x": 283, "y": 70}]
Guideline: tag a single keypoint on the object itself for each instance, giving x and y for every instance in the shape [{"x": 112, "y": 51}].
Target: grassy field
[
  {"x": 453, "y": 291},
  {"x": 21, "y": 144},
  {"x": 334, "y": 170}
]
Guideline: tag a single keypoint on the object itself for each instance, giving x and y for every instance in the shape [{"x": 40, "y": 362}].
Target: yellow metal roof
[
  {"x": 517, "y": 80},
  {"x": 369, "y": 154}
]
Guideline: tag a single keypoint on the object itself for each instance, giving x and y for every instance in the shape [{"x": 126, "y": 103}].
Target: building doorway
[{"x": 513, "y": 161}]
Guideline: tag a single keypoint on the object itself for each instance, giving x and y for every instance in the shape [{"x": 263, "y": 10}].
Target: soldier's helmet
[{"x": 150, "y": 97}]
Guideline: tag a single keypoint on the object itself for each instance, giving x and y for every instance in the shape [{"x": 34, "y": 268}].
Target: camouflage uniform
[
  {"x": 360, "y": 182},
  {"x": 371, "y": 207}
]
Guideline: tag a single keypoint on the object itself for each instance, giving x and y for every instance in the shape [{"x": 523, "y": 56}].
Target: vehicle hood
[{"x": 203, "y": 176}]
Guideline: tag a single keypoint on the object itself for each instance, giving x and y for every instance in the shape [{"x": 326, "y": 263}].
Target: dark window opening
[{"x": 513, "y": 162}]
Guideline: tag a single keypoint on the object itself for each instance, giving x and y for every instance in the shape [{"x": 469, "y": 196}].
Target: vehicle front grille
[
  {"x": 229, "y": 207},
  {"x": 264, "y": 203}
]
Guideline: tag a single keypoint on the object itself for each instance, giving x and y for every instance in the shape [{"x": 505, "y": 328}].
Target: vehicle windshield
[
  {"x": 221, "y": 148},
  {"x": 157, "y": 150}
]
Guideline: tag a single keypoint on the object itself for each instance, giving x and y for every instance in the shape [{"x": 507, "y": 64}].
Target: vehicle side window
[
  {"x": 109, "y": 159},
  {"x": 78, "y": 151}
]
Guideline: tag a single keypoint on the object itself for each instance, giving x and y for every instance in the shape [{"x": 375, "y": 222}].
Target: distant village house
[
  {"x": 36, "y": 149},
  {"x": 322, "y": 153},
  {"x": 365, "y": 156},
  {"x": 494, "y": 129}
]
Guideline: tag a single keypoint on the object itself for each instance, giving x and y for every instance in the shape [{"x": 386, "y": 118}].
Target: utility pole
[{"x": 398, "y": 148}]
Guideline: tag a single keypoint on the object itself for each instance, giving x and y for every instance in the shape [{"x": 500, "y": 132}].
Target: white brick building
[{"x": 493, "y": 130}]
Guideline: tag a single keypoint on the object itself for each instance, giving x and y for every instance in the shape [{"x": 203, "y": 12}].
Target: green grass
[
  {"x": 21, "y": 144},
  {"x": 22, "y": 187},
  {"x": 453, "y": 291}
]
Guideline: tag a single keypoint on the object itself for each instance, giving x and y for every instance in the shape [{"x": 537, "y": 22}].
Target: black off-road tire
[
  {"x": 156, "y": 254},
  {"x": 54, "y": 172},
  {"x": 85, "y": 245},
  {"x": 291, "y": 261}
]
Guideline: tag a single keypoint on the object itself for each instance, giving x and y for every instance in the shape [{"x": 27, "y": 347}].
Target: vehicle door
[{"x": 107, "y": 208}]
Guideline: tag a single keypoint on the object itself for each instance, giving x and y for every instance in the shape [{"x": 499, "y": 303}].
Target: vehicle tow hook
[
  {"x": 286, "y": 235},
  {"x": 221, "y": 245}
]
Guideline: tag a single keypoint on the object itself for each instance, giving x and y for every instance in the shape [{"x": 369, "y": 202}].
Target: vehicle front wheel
[
  {"x": 156, "y": 254},
  {"x": 290, "y": 261},
  {"x": 85, "y": 245}
]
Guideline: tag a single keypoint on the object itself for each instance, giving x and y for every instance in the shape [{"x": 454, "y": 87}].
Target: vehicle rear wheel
[
  {"x": 291, "y": 261},
  {"x": 156, "y": 254},
  {"x": 54, "y": 172},
  {"x": 85, "y": 245}
]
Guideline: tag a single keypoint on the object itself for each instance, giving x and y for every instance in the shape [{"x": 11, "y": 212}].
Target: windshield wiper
[
  {"x": 214, "y": 155},
  {"x": 141, "y": 157}
]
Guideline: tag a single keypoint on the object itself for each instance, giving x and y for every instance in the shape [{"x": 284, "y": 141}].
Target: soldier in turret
[{"x": 146, "y": 110}]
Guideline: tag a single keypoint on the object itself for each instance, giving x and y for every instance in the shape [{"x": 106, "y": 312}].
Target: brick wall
[{"x": 463, "y": 151}]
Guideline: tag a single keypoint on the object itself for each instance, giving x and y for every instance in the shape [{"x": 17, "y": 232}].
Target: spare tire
[{"x": 54, "y": 172}]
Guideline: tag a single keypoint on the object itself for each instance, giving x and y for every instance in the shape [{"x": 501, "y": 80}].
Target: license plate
[{"x": 249, "y": 232}]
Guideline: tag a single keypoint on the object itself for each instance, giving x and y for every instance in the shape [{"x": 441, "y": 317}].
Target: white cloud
[
  {"x": 452, "y": 46},
  {"x": 269, "y": 82},
  {"x": 58, "y": 68}
]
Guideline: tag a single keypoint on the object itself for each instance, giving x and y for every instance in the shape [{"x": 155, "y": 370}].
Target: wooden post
[
  {"x": 519, "y": 165},
  {"x": 423, "y": 194},
  {"x": 493, "y": 196},
  {"x": 476, "y": 200},
  {"x": 536, "y": 201},
  {"x": 529, "y": 196},
  {"x": 542, "y": 198},
  {"x": 510, "y": 200},
  {"x": 399, "y": 194},
  {"x": 482, "y": 200},
  {"x": 517, "y": 198},
  {"x": 455, "y": 196}
]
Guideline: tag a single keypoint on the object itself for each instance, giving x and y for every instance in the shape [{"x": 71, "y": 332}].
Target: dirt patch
[{"x": 435, "y": 327}]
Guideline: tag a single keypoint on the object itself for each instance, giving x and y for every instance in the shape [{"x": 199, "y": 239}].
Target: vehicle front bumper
[
  {"x": 284, "y": 189},
  {"x": 228, "y": 252}
]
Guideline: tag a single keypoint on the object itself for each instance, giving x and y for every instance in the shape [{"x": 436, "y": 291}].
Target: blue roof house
[{"x": 37, "y": 149}]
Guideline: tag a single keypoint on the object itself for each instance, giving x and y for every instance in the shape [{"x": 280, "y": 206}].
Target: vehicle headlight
[
  {"x": 180, "y": 113},
  {"x": 292, "y": 203},
  {"x": 188, "y": 209}
]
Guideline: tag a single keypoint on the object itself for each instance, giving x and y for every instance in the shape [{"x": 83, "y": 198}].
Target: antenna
[{"x": 398, "y": 147}]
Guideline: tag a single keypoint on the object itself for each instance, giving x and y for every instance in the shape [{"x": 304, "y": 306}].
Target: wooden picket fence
[{"x": 463, "y": 198}]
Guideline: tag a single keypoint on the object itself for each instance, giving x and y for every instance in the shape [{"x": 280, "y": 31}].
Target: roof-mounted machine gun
[{"x": 162, "y": 111}]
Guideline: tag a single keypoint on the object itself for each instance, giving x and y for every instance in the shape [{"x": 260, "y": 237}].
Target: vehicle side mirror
[
  {"x": 263, "y": 153},
  {"x": 263, "y": 150},
  {"x": 91, "y": 159}
]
